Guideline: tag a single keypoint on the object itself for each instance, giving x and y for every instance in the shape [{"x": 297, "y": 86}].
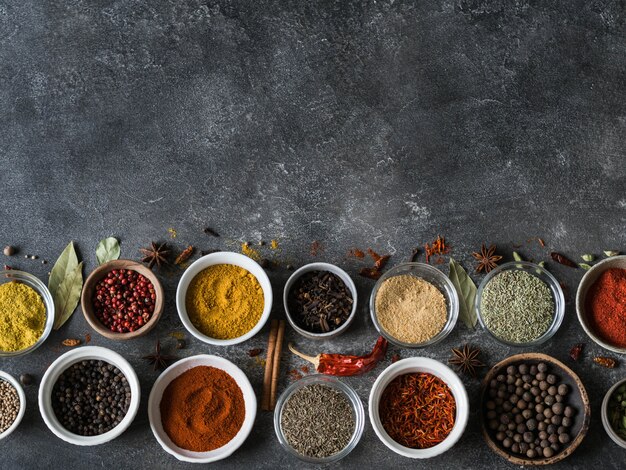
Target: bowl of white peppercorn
[
  {"x": 12, "y": 404},
  {"x": 89, "y": 396}
]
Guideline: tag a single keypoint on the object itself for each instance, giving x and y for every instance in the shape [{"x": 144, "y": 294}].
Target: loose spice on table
[
  {"x": 528, "y": 411},
  {"x": 320, "y": 301},
  {"x": 410, "y": 309},
  {"x": 9, "y": 405},
  {"x": 417, "y": 410},
  {"x": 124, "y": 300},
  {"x": 343, "y": 364},
  {"x": 22, "y": 316},
  {"x": 202, "y": 409},
  {"x": 224, "y": 301},
  {"x": 91, "y": 397},
  {"x": 517, "y": 306},
  {"x": 605, "y": 306},
  {"x": 318, "y": 421}
]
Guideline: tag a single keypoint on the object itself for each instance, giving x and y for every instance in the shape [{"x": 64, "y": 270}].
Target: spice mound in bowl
[
  {"x": 224, "y": 298},
  {"x": 12, "y": 404},
  {"x": 91, "y": 397},
  {"x": 320, "y": 300},
  {"x": 605, "y": 305},
  {"x": 520, "y": 304},
  {"x": 224, "y": 301},
  {"x": 22, "y": 316},
  {"x": 414, "y": 305},
  {"x": 533, "y": 410},
  {"x": 122, "y": 299},
  {"x": 201, "y": 409},
  {"x": 319, "y": 419},
  {"x": 418, "y": 407},
  {"x": 417, "y": 391}
]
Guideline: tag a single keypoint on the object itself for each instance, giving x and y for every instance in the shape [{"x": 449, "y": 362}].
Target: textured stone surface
[{"x": 354, "y": 123}]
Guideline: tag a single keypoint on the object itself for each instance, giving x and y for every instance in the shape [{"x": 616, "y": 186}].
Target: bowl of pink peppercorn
[{"x": 122, "y": 299}]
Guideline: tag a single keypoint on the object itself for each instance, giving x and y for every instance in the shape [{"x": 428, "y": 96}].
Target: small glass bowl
[
  {"x": 42, "y": 290},
  {"x": 436, "y": 278},
  {"x": 545, "y": 276},
  {"x": 329, "y": 381}
]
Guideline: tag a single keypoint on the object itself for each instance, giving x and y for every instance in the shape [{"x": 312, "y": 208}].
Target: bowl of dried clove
[{"x": 320, "y": 300}]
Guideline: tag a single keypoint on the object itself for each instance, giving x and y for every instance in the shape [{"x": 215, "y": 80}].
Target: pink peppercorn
[{"x": 124, "y": 300}]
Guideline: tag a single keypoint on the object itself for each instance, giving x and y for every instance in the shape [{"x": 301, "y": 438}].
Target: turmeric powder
[
  {"x": 224, "y": 301},
  {"x": 22, "y": 316}
]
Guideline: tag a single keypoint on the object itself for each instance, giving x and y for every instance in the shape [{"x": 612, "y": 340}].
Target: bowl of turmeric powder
[
  {"x": 224, "y": 298},
  {"x": 26, "y": 313}
]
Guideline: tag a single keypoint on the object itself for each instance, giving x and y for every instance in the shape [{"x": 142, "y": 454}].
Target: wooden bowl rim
[
  {"x": 583, "y": 395},
  {"x": 97, "y": 274}
]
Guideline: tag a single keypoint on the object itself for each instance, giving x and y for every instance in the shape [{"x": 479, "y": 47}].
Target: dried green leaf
[
  {"x": 517, "y": 257},
  {"x": 65, "y": 265},
  {"x": 588, "y": 258},
  {"x": 67, "y": 296},
  {"x": 584, "y": 266},
  {"x": 108, "y": 250},
  {"x": 467, "y": 293},
  {"x": 609, "y": 253}
]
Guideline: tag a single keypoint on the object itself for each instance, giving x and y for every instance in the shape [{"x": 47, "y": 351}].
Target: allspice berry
[{"x": 9, "y": 250}]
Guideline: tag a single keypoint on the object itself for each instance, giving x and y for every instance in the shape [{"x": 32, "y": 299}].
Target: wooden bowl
[
  {"x": 90, "y": 285},
  {"x": 578, "y": 398}
]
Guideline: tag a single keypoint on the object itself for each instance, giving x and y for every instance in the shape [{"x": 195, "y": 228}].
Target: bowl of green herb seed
[
  {"x": 614, "y": 413},
  {"x": 520, "y": 304}
]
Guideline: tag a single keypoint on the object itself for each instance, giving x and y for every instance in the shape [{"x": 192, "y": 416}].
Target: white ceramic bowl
[
  {"x": 320, "y": 267},
  {"x": 223, "y": 257},
  {"x": 173, "y": 371},
  {"x": 605, "y": 416},
  {"x": 20, "y": 414},
  {"x": 581, "y": 295},
  {"x": 65, "y": 361},
  {"x": 430, "y": 366}
]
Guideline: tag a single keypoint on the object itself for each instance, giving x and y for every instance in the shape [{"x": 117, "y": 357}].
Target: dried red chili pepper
[
  {"x": 344, "y": 365},
  {"x": 559, "y": 258},
  {"x": 576, "y": 351},
  {"x": 607, "y": 362},
  {"x": 255, "y": 352}
]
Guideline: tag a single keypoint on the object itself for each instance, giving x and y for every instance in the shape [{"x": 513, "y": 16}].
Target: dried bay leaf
[
  {"x": 108, "y": 250},
  {"x": 466, "y": 289},
  {"x": 67, "y": 296},
  {"x": 66, "y": 264}
]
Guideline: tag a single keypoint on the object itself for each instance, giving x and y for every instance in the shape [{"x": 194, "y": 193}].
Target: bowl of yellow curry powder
[
  {"x": 224, "y": 298},
  {"x": 26, "y": 313}
]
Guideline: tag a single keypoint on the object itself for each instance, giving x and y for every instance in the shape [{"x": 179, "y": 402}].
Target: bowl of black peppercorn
[
  {"x": 320, "y": 300},
  {"x": 89, "y": 396},
  {"x": 534, "y": 409}
]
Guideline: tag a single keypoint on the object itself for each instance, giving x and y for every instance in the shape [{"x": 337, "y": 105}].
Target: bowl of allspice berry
[{"x": 534, "y": 409}]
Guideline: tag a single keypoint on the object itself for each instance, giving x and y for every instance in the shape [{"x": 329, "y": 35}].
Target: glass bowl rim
[
  {"x": 452, "y": 304},
  {"x": 37, "y": 284},
  {"x": 355, "y": 403},
  {"x": 550, "y": 280}
]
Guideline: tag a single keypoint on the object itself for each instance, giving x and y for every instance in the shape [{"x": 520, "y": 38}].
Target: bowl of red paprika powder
[
  {"x": 601, "y": 303},
  {"x": 202, "y": 409}
]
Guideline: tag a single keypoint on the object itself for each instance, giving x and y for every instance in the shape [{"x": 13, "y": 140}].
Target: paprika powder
[
  {"x": 202, "y": 409},
  {"x": 606, "y": 306}
]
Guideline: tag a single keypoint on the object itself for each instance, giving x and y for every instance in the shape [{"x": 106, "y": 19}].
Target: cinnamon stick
[
  {"x": 269, "y": 364},
  {"x": 276, "y": 368}
]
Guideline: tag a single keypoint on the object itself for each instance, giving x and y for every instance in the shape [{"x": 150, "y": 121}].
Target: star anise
[
  {"x": 160, "y": 360},
  {"x": 487, "y": 259},
  {"x": 155, "y": 254},
  {"x": 466, "y": 360}
]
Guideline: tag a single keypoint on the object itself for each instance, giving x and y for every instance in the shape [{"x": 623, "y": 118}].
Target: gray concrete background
[{"x": 355, "y": 123}]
